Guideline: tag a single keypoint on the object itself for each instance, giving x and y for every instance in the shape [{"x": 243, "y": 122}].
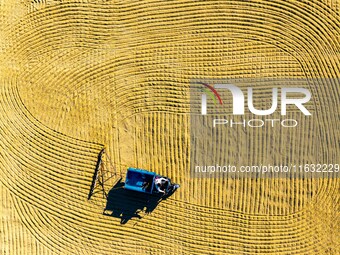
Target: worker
[{"x": 161, "y": 184}]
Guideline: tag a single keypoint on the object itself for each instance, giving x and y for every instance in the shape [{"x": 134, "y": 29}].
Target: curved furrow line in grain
[
  {"x": 248, "y": 222},
  {"x": 211, "y": 240},
  {"x": 202, "y": 243},
  {"x": 280, "y": 235},
  {"x": 323, "y": 38},
  {"x": 29, "y": 131},
  {"x": 15, "y": 102}
]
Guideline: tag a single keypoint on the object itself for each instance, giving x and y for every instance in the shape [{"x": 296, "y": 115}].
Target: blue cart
[{"x": 145, "y": 181}]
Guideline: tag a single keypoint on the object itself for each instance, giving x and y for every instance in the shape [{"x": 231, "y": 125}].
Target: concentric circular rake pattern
[{"x": 84, "y": 73}]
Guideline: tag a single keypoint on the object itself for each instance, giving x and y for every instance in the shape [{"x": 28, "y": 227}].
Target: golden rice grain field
[{"x": 78, "y": 76}]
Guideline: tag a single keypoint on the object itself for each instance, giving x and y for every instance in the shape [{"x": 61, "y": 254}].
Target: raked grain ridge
[{"x": 78, "y": 76}]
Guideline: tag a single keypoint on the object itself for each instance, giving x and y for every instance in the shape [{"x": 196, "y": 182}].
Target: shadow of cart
[{"x": 126, "y": 204}]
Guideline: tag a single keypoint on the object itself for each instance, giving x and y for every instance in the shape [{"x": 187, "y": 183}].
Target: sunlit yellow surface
[{"x": 77, "y": 76}]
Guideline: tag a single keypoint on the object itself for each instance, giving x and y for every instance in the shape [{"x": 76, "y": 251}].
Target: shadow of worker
[{"x": 127, "y": 204}]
